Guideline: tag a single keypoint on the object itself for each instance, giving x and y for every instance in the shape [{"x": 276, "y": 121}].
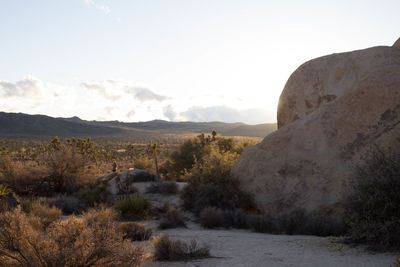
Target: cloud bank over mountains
[{"x": 123, "y": 101}]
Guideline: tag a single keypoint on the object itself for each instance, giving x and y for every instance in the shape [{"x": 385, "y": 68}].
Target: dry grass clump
[
  {"x": 173, "y": 219},
  {"x": 166, "y": 249},
  {"x": 134, "y": 231},
  {"x": 90, "y": 241},
  {"x": 165, "y": 188}
]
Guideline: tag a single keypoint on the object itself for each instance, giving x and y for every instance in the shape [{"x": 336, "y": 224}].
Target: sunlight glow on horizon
[{"x": 174, "y": 60}]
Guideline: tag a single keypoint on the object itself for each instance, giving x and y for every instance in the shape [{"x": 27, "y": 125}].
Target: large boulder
[
  {"x": 397, "y": 43},
  {"x": 331, "y": 111}
]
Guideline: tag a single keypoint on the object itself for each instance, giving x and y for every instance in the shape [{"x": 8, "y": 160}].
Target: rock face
[
  {"x": 397, "y": 43},
  {"x": 331, "y": 111}
]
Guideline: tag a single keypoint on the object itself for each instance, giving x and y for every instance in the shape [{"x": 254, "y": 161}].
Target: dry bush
[
  {"x": 134, "y": 231},
  {"x": 67, "y": 172},
  {"x": 47, "y": 215},
  {"x": 21, "y": 180},
  {"x": 173, "y": 219},
  {"x": 166, "y": 249},
  {"x": 90, "y": 241},
  {"x": 165, "y": 188}
]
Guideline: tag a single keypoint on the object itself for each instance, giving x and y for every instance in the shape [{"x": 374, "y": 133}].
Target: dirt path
[{"x": 243, "y": 248}]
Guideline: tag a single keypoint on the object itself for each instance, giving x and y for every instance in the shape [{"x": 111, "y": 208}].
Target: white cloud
[
  {"x": 120, "y": 100},
  {"x": 27, "y": 86},
  {"x": 103, "y": 88},
  {"x": 169, "y": 112},
  {"x": 144, "y": 94},
  {"x": 227, "y": 114},
  {"x": 106, "y": 9}
]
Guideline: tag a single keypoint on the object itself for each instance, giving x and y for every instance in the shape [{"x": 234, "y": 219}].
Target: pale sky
[{"x": 197, "y": 60}]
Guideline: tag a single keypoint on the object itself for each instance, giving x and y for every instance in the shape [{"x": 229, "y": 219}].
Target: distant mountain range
[{"x": 24, "y": 125}]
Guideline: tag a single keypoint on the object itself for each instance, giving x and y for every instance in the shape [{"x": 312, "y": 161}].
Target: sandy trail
[{"x": 243, "y": 248}]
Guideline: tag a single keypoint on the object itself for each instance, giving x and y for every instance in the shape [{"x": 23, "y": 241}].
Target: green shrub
[
  {"x": 264, "y": 224},
  {"x": 373, "y": 213},
  {"x": 322, "y": 226},
  {"x": 134, "y": 206},
  {"x": 211, "y": 185},
  {"x": 172, "y": 219},
  {"x": 94, "y": 196},
  {"x": 165, "y": 188},
  {"x": 166, "y": 249},
  {"x": 134, "y": 231}
]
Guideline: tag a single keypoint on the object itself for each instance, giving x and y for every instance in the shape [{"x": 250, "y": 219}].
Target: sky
[{"x": 176, "y": 60}]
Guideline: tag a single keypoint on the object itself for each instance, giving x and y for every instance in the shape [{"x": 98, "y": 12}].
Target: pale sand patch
[{"x": 243, "y": 248}]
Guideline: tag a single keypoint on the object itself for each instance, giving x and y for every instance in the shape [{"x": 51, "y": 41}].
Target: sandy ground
[{"x": 244, "y": 248}]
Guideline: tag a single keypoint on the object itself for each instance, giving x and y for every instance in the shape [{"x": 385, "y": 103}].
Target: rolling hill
[{"x": 24, "y": 125}]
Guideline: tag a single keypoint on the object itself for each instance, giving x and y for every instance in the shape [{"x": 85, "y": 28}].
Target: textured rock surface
[
  {"x": 330, "y": 112},
  {"x": 397, "y": 43},
  {"x": 122, "y": 182}
]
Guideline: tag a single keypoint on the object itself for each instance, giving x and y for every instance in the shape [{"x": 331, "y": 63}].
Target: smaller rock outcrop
[{"x": 122, "y": 183}]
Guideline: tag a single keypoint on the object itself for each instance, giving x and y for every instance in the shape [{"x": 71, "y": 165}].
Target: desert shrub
[
  {"x": 143, "y": 162},
  {"x": 47, "y": 215},
  {"x": 292, "y": 222},
  {"x": 67, "y": 170},
  {"x": 134, "y": 231},
  {"x": 94, "y": 196},
  {"x": 210, "y": 184},
  {"x": 322, "y": 226},
  {"x": 67, "y": 204},
  {"x": 166, "y": 249},
  {"x": 134, "y": 206},
  {"x": 264, "y": 224},
  {"x": 3, "y": 190},
  {"x": 373, "y": 213},
  {"x": 90, "y": 241},
  {"x": 8, "y": 200},
  {"x": 22, "y": 181},
  {"x": 173, "y": 219},
  {"x": 165, "y": 188},
  {"x": 188, "y": 153},
  {"x": 211, "y": 217}
]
